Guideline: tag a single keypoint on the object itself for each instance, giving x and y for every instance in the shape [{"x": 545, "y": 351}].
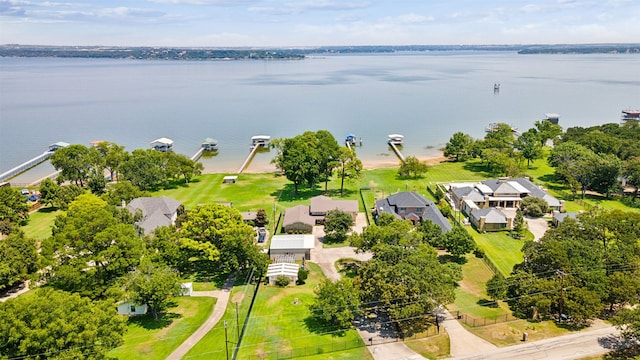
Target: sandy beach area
[{"x": 391, "y": 161}]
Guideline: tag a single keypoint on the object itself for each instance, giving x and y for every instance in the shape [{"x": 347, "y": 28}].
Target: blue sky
[{"x": 224, "y": 23}]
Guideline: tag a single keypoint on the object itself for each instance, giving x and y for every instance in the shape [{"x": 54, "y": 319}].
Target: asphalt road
[{"x": 567, "y": 347}]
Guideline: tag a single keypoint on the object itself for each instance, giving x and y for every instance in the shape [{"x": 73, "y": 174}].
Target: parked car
[{"x": 262, "y": 234}]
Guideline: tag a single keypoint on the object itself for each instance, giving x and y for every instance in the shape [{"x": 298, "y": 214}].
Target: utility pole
[{"x": 561, "y": 302}]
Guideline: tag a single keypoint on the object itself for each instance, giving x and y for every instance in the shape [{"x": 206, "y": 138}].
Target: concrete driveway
[{"x": 537, "y": 226}]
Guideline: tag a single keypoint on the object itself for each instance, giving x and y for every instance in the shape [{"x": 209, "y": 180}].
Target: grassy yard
[
  {"x": 40, "y": 222},
  {"x": 499, "y": 247},
  {"x": 156, "y": 339},
  {"x": 434, "y": 347},
  {"x": 277, "y": 323},
  {"x": 510, "y": 333},
  {"x": 471, "y": 294}
]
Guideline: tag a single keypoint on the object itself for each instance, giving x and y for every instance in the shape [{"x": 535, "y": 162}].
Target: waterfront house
[
  {"x": 412, "y": 206},
  {"x": 156, "y": 212},
  {"x": 301, "y": 218}
]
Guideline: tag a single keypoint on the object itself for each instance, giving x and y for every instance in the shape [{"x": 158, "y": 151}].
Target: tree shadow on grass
[
  {"x": 448, "y": 258},
  {"x": 149, "y": 323},
  {"x": 318, "y": 326},
  {"x": 47, "y": 209},
  {"x": 287, "y": 194},
  {"x": 478, "y": 168},
  {"x": 487, "y": 303}
]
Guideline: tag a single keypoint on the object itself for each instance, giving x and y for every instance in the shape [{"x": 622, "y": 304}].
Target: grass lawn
[
  {"x": 40, "y": 222},
  {"x": 149, "y": 339},
  {"x": 280, "y": 325},
  {"x": 471, "y": 294},
  {"x": 502, "y": 249},
  {"x": 434, "y": 347},
  {"x": 510, "y": 333}
]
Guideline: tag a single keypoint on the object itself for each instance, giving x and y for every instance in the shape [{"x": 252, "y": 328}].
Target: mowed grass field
[
  {"x": 147, "y": 338},
  {"x": 281, "y": 325}
]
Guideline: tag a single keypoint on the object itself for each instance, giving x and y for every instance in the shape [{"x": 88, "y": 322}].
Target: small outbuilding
[
  {"x": 186, "y": 289},
  {"x": 297, "y": 246},
  {"x": 230, "y": 179},
  {"x": 289, "y": 270},
  {"x": 129, "y": 308}
]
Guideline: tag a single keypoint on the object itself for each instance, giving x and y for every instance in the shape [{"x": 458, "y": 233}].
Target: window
[{"x": 133, "y": 308}]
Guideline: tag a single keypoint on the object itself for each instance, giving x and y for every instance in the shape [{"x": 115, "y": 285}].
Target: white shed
[
  {"x": 129, "y": 308},
  {"x": 186, "y": 289},
  {"x": 298, "y": 246},
  {"x": 287, "y": 269}
]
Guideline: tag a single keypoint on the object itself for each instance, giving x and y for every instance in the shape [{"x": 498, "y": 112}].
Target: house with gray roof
[
  {"x": 156, "y": 212},
  {"x": 502, "y": 193},
  {"x": 491, "y": 219},
  {"x": 559, "y": 218},
  {"x": 301, "y": 218},
  {"x": 412, "y": 206}
]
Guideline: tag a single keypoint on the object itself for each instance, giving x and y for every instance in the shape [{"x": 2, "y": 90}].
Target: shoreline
[{"x": 370, "y": 164}]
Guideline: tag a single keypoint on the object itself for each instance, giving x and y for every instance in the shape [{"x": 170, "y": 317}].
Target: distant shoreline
[{"x": 366, "y": 165}]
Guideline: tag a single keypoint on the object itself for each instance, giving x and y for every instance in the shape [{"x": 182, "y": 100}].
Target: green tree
[
  {"x": 91, "y": 248},
  {"x": 500, "y": 137},
  {"x": 497, "y": 287},
  {"x": 220, "y": 235},
  {"x": 55, "y": 324},
  {"x": 411, "y": 165},
  {"x": 390, "y": 231},
  {"x": 574, "y": 163},
  {"x": 607, "y": 172},
  {"x": 534, "y": 206},
  {"x": 628, "y": 320},
  {"x": 350, "y": 166},
  {"x": 76, "y": 163},
  {"x": 519, "y": 225},
  {"x": 328, "y": 152},
  {"x": 145, "y": 169},
  {"x": 297, "y": 158},
  {"x": 547, "y": 131},
  {"x": 631, "y": 173},
  {"x": 67, "y": 194},
  {"x": 409, "y": 283},
  {"x": 337, "y": 224},
  {"x": 113, "y": 155},
  {"x": 431, "y": 234},
  {"x": 49, "y": 192},
  {"x": 18, "y": 258},
  {"x": 336, "y": 303},
  {"x": 179, "y": 165},
  {"x": 123, "y": 191},
  {"x": 529, "y": 145},
  {"x": 459, "y": 146},
  {"x": 153, "y": 284},
  {"x": 458, "y": 241},
  {"x": 13, "y": 206}
]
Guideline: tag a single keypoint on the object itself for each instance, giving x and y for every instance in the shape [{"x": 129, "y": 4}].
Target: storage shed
[
  {"x": 289, "y": 270},
  {"x": 298, "y": 246}
]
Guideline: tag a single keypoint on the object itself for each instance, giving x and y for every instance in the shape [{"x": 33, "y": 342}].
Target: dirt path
[{"x": 223, "y": 299}]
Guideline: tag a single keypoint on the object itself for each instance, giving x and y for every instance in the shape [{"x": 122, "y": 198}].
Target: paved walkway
[
  {"x": 221, "y": 304},
  {"x": 11, "y": 295},
  {"x": 463, "y": 342},
  {"x": 537, "y": 226}
]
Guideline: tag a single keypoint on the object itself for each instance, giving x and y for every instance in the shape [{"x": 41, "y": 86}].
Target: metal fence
[
  {"x": 480, "y": 321},
  {"x": 306, "y": 351}
]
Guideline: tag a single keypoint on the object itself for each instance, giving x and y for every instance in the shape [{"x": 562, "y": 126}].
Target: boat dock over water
[
  {"x": 33, "y": 162},
  {"x": 396, "y": 140},
  {"x": 630, "y": 115},
  {"x": 257, "y": 142},
  {"x": 351, "y": 141}
]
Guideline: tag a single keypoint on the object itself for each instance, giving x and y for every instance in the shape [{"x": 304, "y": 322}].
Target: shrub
[
  {"x": 282, "y": 280},
  {"x": 302, "y": 275},
  {"x": 534, "y": 206}
]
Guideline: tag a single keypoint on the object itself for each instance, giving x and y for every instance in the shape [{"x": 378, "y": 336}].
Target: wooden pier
[
  {"x": 397, "y": 151},
  {"x": 25, "y": 166},
  {"x": 254, "y": 150},
  {"x": 198, "y": 154}
]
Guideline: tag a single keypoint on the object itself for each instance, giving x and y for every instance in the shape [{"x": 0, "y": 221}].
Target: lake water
[{"x": 424, "y": 96}]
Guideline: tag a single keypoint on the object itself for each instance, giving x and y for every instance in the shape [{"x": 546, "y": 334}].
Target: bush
[
  {"x": 302, "y": 275},
  {"x": 479, "y": 253},
  {"x": 282, "y": 280},
  {"x": 444, "y": 209},
  {"x": 534, "y": 206}
]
